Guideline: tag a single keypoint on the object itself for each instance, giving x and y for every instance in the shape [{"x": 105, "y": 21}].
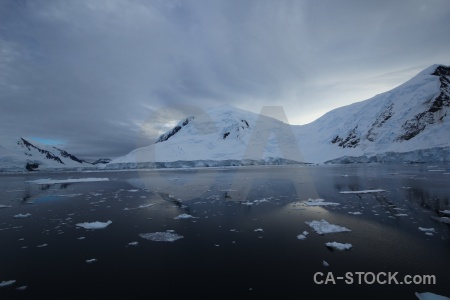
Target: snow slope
[
  {"x": 23, "y": 155},
  {"x": 409, "y": 122}
]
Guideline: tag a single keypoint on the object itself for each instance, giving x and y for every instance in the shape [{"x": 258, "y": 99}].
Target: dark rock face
[
  {"x": 435, "y": 111},
  {"x": 68, "y": 155},
  {"x": 351, "y": 140},
  {"x": 48, "y": 154},
  {"x": 226, "y": 134},
  {"x": 381, "y": 119},
  {"x": 101, "y": 161},
  {"x": 172, "y": 132},
  {"x": 32, "y": 166}
]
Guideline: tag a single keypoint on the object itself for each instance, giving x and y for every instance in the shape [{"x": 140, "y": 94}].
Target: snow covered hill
[
  {"x": 22, "y": 155},
  {"x": 408, "y": 123},
  {"x": 411, "y": 119}
]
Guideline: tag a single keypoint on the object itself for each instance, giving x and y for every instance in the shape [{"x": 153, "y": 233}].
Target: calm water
[{"x": 221, "y": 255}]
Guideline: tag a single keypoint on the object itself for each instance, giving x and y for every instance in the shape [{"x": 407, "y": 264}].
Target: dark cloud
[{"x": 92, "y": 73}]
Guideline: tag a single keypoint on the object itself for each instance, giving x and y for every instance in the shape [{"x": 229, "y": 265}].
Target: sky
[{"x": 91, "y": 76}]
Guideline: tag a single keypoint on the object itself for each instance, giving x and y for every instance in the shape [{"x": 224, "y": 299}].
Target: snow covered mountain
[
  {"x": 411, "y": 119},
  {"x": 24, "y": 155},
  {"x": 408, "y": 123}
]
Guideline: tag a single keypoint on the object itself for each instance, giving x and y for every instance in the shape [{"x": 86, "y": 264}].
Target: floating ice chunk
[
  {"x": 22, "y": 216},
  {"x": 71, "y": 180},
  {"x": 140, "y": 206},
  {"x": 303, "y": 235},
  {"x": 362, "y": 192},
  {"x": 43, "y": 245},
  {"x": 133, "y": 244},
  {"x": 428, "y": 233},
  {"x": 168, "y": 236},
  {"x": 247, "y": 203},
  {"x": 426, "y": 229},
  {"x": 447, "y": 212},
  {"x": 81, "y": 238},
  {"x": 430, "y": 296},
  {"x": 94, "y": 225},
  {"x": 319, "y": 202},
  {"x": 323, "y": 227},
  {"x": 355, "y": 213},
  {"x": 22, "y": 288},
  {"x": 442, "y": 219},
  {"x": 401, "y": 215},
  {"x": 184, "y": 216},
  {"x": 91, "y": 260},
  {"x": 4, "y": 206},
  {"x": 339, "y": 246},
  {"x": 7, "y": 283},
  {"x": 258, "y": 230},
  {"x": 133, "y": 191},
  {"x": 325, "y": 264}
]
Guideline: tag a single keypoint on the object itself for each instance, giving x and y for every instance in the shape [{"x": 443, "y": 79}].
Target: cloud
[{"x": 91, "y": 73}]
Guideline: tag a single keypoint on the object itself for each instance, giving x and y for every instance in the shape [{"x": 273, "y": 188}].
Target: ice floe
[
  {"x": 7, "y": 283},
  {"x": 325, "y": 264},
  {"x": 303, "y": 235},
  {"x": 446, "y": 212},
  {"x": 22, "y": 216},
  {"x": 184, "y": 216},
  {"x": 133, "y": 244},
  {"x": 339, "y": 246},
  {"x": 168, "y": 236},
  {"x": 319, "y": 202},
  {"x": 362, "y": 192},
  {"x": 258, "y": 230},
  {"x": 91, "y": 260},
  {"x": 94, "y": 225},
  {"x": 401, "y": 215},
  {"x": 442, "y": 219},
  {"x": 430, "y": 296},
  {"x": 355, "y": 213},
  {"x": 140, "y": 206},
  {"x": 4, "y": 206},
  {"x": 22, "y": 288},
  {"x": 70, "y": 180},
  {"x": 323, "y": 227},
  {"x": 426, "y": 229},
  {"x": 43, "y": 245}
]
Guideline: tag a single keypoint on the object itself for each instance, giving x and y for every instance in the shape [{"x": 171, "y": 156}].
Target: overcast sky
[{"x": 89, "y": 74}]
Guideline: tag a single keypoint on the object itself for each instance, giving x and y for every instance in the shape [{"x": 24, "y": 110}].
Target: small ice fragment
[
  {"x": 355, "y": 213},
  {"x": 167, "y": 236},
  {"x": 4, "y": 206},
  {"x": 430, "y": 296},
  {"x": 81, "y": 238},
  {"x": 7, "y": 283},
  {"x": 22, "y": 288},
  {"x": 133, "y": 244},
  {"x": 91, "y": 260},
  {"x": 401, "y": 215},
  {"x": 258, "y": 230},
  {"x": 319, "y": 202},
  {"x": 447, "y": 212},
  {"x": 428, "y": 233},
  {"x": 133, "y": 191},
  {"x": 22, "y": 216},
  {"x": 339, "y": 246},
  {"x": 323, "y": 227},
  {"x": 426, "y": 229},
  {"x": 184, "y": 216},
  {"x": 303, "y": 235},
  {"x": 43, "y": 245},
  {"x": 325, "y": 264},
  {"x": 94, "y": 225},
  {"x": 216, "y": 245}
]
